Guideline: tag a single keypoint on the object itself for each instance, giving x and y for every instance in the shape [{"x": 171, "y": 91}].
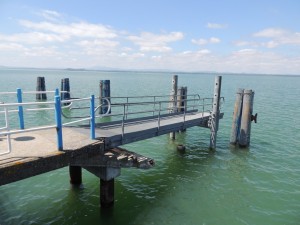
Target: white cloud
[
  {"x": 201, "y": 41},
  {"x": 155, "y": 42},
  {"x": 33, "y": 38},
  {"x": 81, "y": 29},
  {"x": 270, "y": 33},
  {"x": 216, "y": 26},
  {"x": 277, "y": 37},
  {"x": 50, "y": 15}
]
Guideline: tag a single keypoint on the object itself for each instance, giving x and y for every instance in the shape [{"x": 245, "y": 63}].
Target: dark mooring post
[
  {"x": 75, "y": 175},
  {"x": 107, "y": 193},
  {"x": 65, "y": 90},
  {"x": 104, "y": 93},
  {"x": 244, "y": 138},
  {"x": 173, "y": 100},
  {"x": 214, "y": 123},
  {"x": 41, "y": 86},
  {"x": 237, "y": 114}
]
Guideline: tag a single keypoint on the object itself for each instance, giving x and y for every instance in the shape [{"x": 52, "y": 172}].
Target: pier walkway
[{"x": 82, "y": 137}]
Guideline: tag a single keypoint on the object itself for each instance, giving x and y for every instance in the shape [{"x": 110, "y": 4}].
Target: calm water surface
[{"x": 255, "y": 186}]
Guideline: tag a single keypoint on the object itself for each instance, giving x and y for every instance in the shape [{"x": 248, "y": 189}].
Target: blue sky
[{"x": 254, "y": 36}]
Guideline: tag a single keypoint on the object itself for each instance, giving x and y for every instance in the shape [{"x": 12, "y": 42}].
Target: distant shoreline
[{"x": 145, "y": 71}]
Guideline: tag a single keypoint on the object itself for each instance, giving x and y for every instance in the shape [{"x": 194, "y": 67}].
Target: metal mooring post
[
  {"x": 65, "y": 90},
  {"x": 236, "y": 122},
  {"x": 245, "y": 131},
  {"x": 214, "y": 125},
  {"x": 173, "y": 99},
  {"x": 104, "y": 93},
  {"x": 41, "y": 86}
]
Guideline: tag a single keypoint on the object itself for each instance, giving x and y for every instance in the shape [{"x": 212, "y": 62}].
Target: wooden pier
[{"x": 95, "y": 146}]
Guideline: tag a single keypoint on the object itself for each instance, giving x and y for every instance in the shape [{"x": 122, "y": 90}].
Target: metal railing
[
  {"x": 57, "y": 108},
  {"x": 155, "y": 106}
]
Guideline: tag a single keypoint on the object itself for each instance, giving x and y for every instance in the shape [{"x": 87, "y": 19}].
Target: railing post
[
  {"x": 214, "y": 126},
  {"x": 56, "y": 92},
  {"x": 7, "y": 129},
  {"x": 92, "y": 112},
  {"x": 20, "y": 108},
  {"x": 58, "y": 122}
]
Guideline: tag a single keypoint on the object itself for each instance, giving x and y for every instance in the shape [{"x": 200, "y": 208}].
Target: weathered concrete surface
[{"x": 36, "y": 152}]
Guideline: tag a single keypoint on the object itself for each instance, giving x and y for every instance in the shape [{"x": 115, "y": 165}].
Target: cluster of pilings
[
  {"x": 41, "y": 89},
  {"x": 242, "y": 117},
  {"x": 178, "y": 103}
]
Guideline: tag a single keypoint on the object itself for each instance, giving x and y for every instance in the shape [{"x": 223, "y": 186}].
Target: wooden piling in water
[
  {"x": 245, "y": 130},
  {"x": 104, "y": 93},
  {"x": 65, "y": 90},
  {"x": 75, "y": 175},
  {"x": 214, "y": 123},
  {"x": 173, "y": 99},
  {"x": 41, "y": 86},
  {"x": 236, "y": 123}
]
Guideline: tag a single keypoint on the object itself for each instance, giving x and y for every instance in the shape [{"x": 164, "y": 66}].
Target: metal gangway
[{"x": 126, "y": 120}]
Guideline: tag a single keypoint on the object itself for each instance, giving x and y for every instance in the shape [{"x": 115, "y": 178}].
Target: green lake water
[{"x": 259, "y": 185}]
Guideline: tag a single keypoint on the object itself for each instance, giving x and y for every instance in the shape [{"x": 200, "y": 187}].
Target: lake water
[{"x": 254, "y": 186}]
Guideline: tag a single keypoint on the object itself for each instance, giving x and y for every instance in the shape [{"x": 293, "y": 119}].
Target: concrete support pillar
[
  {"x": 173, "y": 100},
  {"x": 75, "y": 175},
  {"x": 236, "y": 122},
  {"x": 244, "y": 139},
  {"x": 107, "y": 193},
  {"x": 214, "y": 123}
]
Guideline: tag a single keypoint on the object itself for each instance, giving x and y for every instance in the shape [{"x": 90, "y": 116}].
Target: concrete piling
[
  {"x": 214, "y": 123},
  {"x": 104, "y": 93},
  {"x": 181, "y": 99},
  {"x": 107, "y": 193},
  {"x": 245, "y": 131},
  {"x": 41, "y": 86},
  {"x": 75, "y": 175},
  {"x": 236, "y": 123},
  {"x": 173, "y": 100}
]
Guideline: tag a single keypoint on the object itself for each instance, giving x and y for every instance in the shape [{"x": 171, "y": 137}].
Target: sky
[{"x": 238, "y": 36}]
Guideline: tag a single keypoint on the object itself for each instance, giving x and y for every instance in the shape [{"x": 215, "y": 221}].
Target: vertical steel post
[
  {"x": 244, "y": 139},
  {"x": 214, "y": 126},
  {"x": 92, "y": 114},
  {"x": 236, "y": 122},
  {"x": 174, "y": 99},
  {"x": 58, "y": 123},
  {"x": 20, "y": 108}
]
